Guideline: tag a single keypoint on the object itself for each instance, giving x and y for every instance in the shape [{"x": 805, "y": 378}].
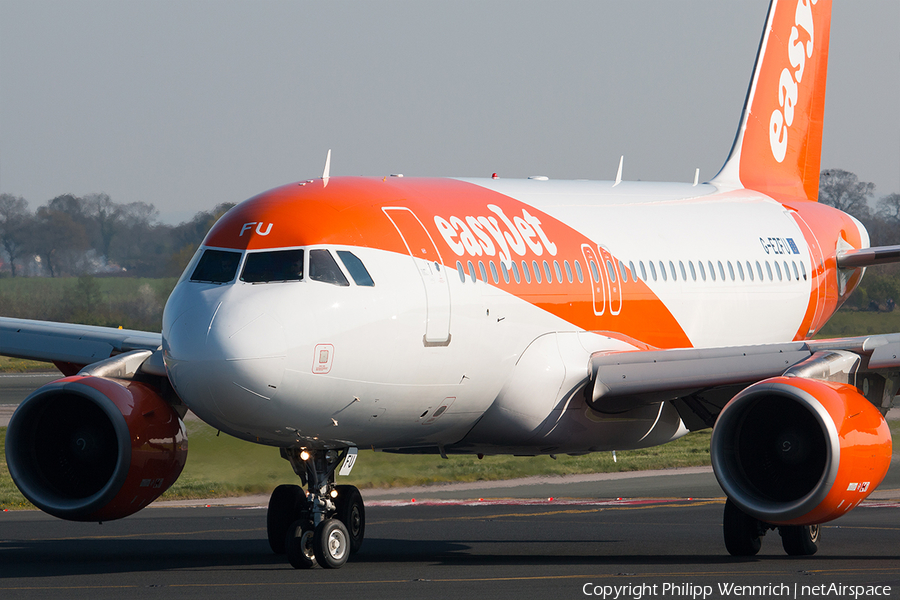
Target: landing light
[
  {"x": 334, "y": 493},
  {"x": 304, "y": 455}
]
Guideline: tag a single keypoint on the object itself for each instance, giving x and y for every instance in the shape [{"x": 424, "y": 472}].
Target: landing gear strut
[
  {"x": 743, "y": 533},
  {"x": 323, "y": 526}
]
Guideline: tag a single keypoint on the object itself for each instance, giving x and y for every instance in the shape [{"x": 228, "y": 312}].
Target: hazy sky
[{"x": 187, "y": 103}]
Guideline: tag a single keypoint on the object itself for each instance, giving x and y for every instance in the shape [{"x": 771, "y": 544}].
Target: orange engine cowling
[
  {"x": 794, "y": 451},
  {"x": 94, "y": 449}
]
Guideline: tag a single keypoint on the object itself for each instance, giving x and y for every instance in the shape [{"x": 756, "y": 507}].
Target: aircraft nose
[{"x": 227, "y": 366}]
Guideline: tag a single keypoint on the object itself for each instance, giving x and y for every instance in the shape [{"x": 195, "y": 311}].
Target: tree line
[
  {"x": 846, "y": 192},
  {"x": 71, "y": 235}
]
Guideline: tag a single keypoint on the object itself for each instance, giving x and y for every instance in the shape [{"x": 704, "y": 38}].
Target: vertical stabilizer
[{"x": 778, "y": 147}]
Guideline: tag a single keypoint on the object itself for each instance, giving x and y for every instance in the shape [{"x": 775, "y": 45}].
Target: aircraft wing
[
  {"x": 75, "y": 345},
  {"x": 701, "y": 381}
]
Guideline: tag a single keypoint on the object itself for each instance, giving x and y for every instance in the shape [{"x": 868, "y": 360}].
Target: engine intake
[
  {"x": 94, "y": 449},
  {"x": 795, "y": 451}
]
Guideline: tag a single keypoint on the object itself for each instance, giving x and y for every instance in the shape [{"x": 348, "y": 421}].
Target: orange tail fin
[{"x": 778, "y": 148}]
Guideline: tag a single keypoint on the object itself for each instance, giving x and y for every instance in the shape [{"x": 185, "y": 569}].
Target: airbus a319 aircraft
[{"x": 493, "y": 316}]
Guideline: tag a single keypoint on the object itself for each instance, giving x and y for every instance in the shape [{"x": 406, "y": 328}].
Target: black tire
[
  {"x": 331, "y": 544},
  {"x": 285, "y": 506},
  {"x": 298, "y": 544},
  {"x": 352, "y": 513},
  {"x": 741, "y": 531},
  {"x": 800, "y": 540}
]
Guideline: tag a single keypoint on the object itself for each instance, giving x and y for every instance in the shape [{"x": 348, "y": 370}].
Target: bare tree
[
  {"x": 889, "y": 208},
  {"x": 59, "y": 239},
  {"x": 15, "y": 223},
  {"x": 138, "y": 247},
  {"x": 844, "y": 191},
  {"x": 884, "y": 228},
  {"x": 107, "y": 216}
]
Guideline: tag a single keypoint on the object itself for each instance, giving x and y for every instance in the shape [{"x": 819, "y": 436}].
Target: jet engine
[
  {"x": 87, "y": 448},
  {"x": 796, "y": 451}
]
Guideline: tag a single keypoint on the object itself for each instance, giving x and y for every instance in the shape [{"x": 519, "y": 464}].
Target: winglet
[
  {"x": 778, "y": 146},
  {"x": 327, "y": 172}
]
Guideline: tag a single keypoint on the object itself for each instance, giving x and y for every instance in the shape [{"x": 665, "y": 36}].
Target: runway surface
[{"x": 536, "y": 549}]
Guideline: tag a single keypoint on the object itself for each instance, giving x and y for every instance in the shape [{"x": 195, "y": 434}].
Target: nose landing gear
[{"x": 323, "y": 526}]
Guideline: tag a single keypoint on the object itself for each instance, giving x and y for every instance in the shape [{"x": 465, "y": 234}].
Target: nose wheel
[{"x": 323, "y": 526}]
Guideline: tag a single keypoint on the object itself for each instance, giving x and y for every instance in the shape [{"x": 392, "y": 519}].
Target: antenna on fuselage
[
  {"x": 327, "y": 171},
  {"x": 697, "y": 176},
  {"x": 619, "y": 172}
]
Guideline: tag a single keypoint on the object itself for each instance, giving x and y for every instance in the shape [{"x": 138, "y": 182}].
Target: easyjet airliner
[{"x": 493, "y": 316}]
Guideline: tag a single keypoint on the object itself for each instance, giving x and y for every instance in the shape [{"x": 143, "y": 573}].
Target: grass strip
[
  {"x": 20, "y": 365},
  {"x": 221, "y": 466}
]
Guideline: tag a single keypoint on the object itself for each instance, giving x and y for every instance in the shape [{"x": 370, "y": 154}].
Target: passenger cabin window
[
  {"x": 277, "y": 265},
  {"x": 216, "y": 266},
  {"x": 322, "y": 267},
  {"x": 356, "y": 268}
]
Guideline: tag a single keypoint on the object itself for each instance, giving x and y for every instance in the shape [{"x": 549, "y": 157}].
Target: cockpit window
[
  {"x": 322, "y": 267},
  {"x": 278, "y": 265},
  {"x": 357, "y": 269},
  {"x": 216, "y": 266}
]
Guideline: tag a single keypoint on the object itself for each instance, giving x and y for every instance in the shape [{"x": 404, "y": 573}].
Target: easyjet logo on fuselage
[
  {"x": 788, "y": 84},
  {"x": 495, "y": 234}
]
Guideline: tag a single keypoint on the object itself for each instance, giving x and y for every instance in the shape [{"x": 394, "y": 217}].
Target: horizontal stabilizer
[{"x": 868, "y": 257}]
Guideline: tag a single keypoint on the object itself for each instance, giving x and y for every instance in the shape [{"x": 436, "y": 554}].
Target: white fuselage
[{"x": 314, "y": 363}]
